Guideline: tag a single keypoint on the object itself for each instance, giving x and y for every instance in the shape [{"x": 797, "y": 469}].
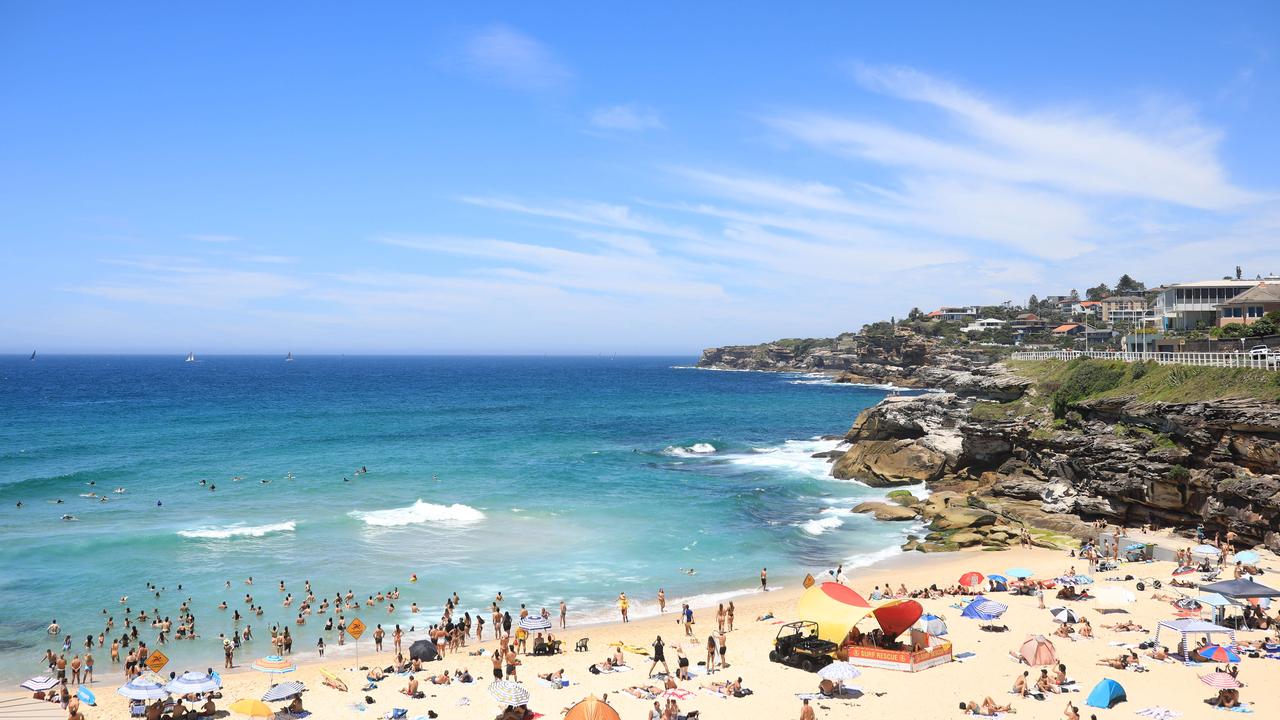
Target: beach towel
[
  {"x": 1159, "y": 713},
  {"x": 564, "y": 683}
]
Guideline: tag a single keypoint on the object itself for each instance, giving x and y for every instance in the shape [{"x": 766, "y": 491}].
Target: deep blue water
[{"x": 545, "y": 478}]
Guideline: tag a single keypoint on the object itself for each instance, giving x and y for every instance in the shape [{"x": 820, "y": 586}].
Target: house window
[{"x": 1255, "y": 311}]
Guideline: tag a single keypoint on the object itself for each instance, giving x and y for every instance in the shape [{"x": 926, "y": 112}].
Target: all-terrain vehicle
[{"x": 799, "y": 646}]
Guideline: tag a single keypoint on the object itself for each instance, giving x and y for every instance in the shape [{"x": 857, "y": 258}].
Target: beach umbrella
[
  {"x": 273, "y": 664},
  {"x": 1063, "y": 615},
  {"x": 1105, "y": 694},
  {"x": 1248, "y": 557},
  {"x": 897, "y": 616},
  {"x": 192, "y": 682},
  {"x": 835, "y": 608},
  {"x": 1206, "y": 550},
  {"x": 933, "y": 625},
  {"x": 839, "y": 671},
  {"x": 675, "y": 694},
  {"x": 508, "y": 692},
  {"x": 1038, "y": 650},
  {"x": 424, "y": 650},
  {"x": 1020, "y": 573},
  {"x": 252, "y": 708},
  {"x": 1220, "y": 680},
  {"x": 983, "y": 609},
  {"x": 534, "y": 623},
  {"x": 970, "y": 579},
  {"x": 1112, "y": 596},
  {"x": 592, "y": 708},
  {"x": 1217, "y": 653},
  {"x": 143, "y": 688},
  {"x": 998, "y": 578},
  {"x": 40, "y": 683},
  {"x": 283, "y": 691}
]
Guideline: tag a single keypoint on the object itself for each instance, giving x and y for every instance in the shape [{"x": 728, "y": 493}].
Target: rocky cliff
[
  {"x": 905, "y": 359},
  {"x": 1118, "y": 458}
]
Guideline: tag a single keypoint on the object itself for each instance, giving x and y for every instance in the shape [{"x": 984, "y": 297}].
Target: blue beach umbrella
[
  {"x": 1105, "y": 694},
  {"x": 983, "y": 609},
  {"x": 1248, "y": 556},
  {"x": 1020, "y": 573},
  {"x": 1218, "y": 653}
]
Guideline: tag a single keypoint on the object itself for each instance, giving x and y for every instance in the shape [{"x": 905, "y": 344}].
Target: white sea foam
[
  {"x": 690, "y": 451},
  {"x": 420, "y": 512},
  {"x": 238, "y": 530},
  {"x": 820, "y": 525},
  {"x": 793, "y": 455}
]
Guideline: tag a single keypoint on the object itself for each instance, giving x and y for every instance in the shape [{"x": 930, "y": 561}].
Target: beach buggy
[{"x": 798, "y": 645}]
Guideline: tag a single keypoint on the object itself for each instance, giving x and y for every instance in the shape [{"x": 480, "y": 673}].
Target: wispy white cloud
[
  {"x": 631, "y": 117},
  {"x": 609, "y": 215},
  {"x": 508, "y": 56},
  {"x": 214, "y": 238}
]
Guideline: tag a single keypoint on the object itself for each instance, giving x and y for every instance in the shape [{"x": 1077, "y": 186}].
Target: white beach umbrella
[
  {"x": 535, "y": 623},
  {"x": 508, "y": 692},
  {"x": 143, "y": 688},
  {"x": 1206, "y": 550},
  {"x": 193, "y": 683},
  {"x": 839, "y": 672},
  {"x": 39, "y": 683}
]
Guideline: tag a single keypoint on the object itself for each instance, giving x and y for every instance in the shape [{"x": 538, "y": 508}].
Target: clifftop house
[{"x": 1250, "y": 305}]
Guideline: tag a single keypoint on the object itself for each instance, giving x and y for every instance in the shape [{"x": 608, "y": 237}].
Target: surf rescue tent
[
  {"x": 1190, "y": 626},
  {"x": 834, "y": 607}
]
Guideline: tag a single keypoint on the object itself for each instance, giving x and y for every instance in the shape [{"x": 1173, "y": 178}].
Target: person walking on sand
[
  {"x": 397, "y": 637},
  {"x": 623, "y": 606},
  {"x": 806, "y": 711},
  {"x": 720, "y": 618},
  {"x": 729, "y": 615},
  {"x": 659, "y": 656},
  {"x": 764, "y": 579},
  {"x": 662, "y": 601},
  {"x": 688, "y": 619},
  {"x": 564, "y": 611}
]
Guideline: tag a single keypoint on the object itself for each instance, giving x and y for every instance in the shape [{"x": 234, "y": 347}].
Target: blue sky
[{"x": 593, "y": 177}]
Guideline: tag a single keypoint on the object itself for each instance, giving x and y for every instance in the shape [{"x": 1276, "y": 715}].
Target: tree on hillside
[
  {"x": 1074, "y": 295},
  {"x": 1128, "y": 286},
  {"x": 1032, "y": 303},
  {"x": 915, "y": 314},
  {"x": 1097, "y": 292}
]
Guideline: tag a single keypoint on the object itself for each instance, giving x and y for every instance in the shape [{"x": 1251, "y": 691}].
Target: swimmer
[
  {"x": 412, "y": 578},
  {"x": 19, "y": 503},
  {"x": 265, "y": 482},
  {"x": 70, "y": 517}
]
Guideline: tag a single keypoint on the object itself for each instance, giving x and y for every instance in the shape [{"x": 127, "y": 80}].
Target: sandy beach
[{"x": 933, "y": 693}]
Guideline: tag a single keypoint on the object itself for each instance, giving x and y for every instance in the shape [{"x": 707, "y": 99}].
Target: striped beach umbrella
[
  {"x": 534, "y": 623},
  {"x": 1220, "y": 680},
  {"x": 143, "y": 688},
  {"x": 1064, "y": 615},
  {"x": 970, "y": 579},
  {"x": 192, "y": 683},
  {"x": 273, "y": 664},
  {"x": 39, "y": 683},
  {"x": 508, "y": 692},
  {"x": 283, "y": 691},
  {"x": 1217, "y": 653},
  {"x": 839, "y": 671}
]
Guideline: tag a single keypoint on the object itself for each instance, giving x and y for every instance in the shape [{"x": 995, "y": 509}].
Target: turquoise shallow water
[{"x": 544, "y": 478}]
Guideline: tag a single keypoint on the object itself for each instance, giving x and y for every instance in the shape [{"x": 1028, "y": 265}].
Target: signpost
[
  {"x": 355, "y": 629},
  {"x": 156, "y": 661}
]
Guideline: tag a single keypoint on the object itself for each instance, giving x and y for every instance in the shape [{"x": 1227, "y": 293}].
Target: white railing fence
[{"x": 1242, "y": 360}]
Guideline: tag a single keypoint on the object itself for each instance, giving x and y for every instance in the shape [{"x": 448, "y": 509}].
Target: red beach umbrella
[
  {"x": 971, "y": 579},
  {"x": 1220, "y": 680}
]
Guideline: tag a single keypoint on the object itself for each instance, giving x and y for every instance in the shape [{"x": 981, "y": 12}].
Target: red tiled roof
[
  {"x": 1065, "y": 328},
  {"x": 935, "y": 313},
  {"x": 1089, "y": 303}
]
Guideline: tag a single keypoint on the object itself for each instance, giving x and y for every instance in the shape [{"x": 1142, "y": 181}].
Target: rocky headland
[{"x": 1049, "y": 445}]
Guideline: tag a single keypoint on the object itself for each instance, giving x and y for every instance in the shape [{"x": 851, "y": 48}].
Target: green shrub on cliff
[{"x": 1085, "y": 379}]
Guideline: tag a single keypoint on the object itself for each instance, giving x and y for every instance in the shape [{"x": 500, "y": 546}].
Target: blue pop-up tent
[
  {"x": 984, "y": 609},
  {"x": 1105, "y": 694}
]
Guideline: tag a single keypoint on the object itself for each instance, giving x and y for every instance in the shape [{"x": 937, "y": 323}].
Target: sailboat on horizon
[
  {"x": 289, "y": 357},
  {"x": 191, "y": 357},
  {"x": 33, "y": 354}
]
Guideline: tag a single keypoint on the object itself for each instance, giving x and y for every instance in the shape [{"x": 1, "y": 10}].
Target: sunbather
[
  {"x": 725, "y": 688},
  {"x": 1158, "y": 653},
  {"x": 1126, "y": 626},
  {"x": 1043, "y": 684},
  {"x": 646, "y": 692},
  {"x": 986, "y": 707},
  {"x": 1119, "y": 663},
  {"x": 1227, "y": 698}
]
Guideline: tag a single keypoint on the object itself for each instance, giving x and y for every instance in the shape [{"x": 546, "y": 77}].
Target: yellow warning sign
[
  {"x": 157, "y": 660},
  {"x": 355, "y": 629}
]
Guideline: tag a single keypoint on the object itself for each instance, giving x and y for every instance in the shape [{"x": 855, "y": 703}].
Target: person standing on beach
[
  {"x": 378, "y": 634},
  {"x": 729, "y": 616},
  {"x": 662, "y": 601},
  {"x": 659, "y": 656},
  {"x": 764, "y": 579},
  {"x": 564, "y": 612},
  {"x": 806, "y": 711},
  {"x": 397, "y": 637},
  {"x": 711, "y": 654},
  {"x": 623, "y": 605},
  {"x": 720, "y": 618},
  {"x": 724, "y": 650},
  {"x": 688, "y": 620}
]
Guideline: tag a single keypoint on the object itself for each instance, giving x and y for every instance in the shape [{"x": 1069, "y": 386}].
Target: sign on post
[
  {"x": 157, "y": 660},
  {"x": 355, "y": 629}
]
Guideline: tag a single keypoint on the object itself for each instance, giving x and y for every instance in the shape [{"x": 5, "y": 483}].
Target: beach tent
[
  {"x": 983, "y": 609},
  {"x": 592, "y": 708},
  {"x": 835, "y": 608},
  {"x": 932, "y": 624},
  {"x": 423, "y": 650},
  {"x": 999, "y": 583},
  {"x": 1038, "y": 650},
  {"x": 1240, "y": 589},
  {"x": 897, "y": 616},
  {"x": 1190, "y": 626},
  {"x": 1105, "y": 694}
]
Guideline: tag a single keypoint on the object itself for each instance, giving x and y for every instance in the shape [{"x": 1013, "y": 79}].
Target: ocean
[{"x": 542, "y": 478}]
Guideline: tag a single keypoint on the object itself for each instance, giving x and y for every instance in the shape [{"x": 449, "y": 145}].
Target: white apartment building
[{"x": 1186, "y": 306}]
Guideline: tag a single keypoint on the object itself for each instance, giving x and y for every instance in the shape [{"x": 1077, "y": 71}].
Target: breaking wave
[
  {"x": 420, "y": 512},
  {"x": 238, "y": 530}
]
